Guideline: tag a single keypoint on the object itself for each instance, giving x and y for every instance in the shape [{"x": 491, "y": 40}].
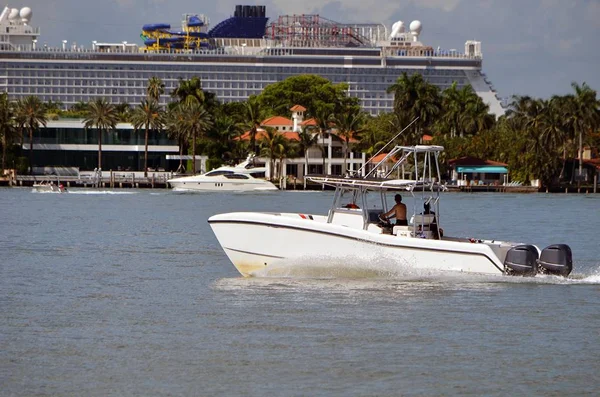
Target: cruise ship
[{"x": 236, "y": 58}]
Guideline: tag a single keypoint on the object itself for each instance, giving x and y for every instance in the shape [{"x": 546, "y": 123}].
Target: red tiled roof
[
  {"x": 380, "y": 157},
  {"x": 472, "y": 161},
  {"x": 260, "y": 133},
  {"x": 298, "y": 108},
  {"x": 351, "y": 140},
  {"x": 277, "y": 121},
  {"x": 309, "y": 122}
]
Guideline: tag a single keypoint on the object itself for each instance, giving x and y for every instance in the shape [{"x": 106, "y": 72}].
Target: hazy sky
[{"x": 530, "y": 47}]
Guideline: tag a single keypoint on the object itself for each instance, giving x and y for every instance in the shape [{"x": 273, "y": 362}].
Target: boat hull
[
  {"x": 256, "y": 241},
  {"x": 45, "y": 188},
  {"x": 221, "y": 186}
]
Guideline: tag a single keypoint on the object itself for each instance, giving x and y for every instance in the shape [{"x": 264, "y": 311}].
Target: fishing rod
[{"x": 390, "y": 141}]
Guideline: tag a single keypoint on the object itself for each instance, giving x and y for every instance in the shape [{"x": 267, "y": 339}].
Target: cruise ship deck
[{"x": 367, "y": 57}]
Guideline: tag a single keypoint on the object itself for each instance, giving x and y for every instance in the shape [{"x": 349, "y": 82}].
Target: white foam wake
[{"x": 100, "y": 192}]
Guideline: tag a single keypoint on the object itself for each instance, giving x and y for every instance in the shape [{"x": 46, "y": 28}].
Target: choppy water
[{"x": 127, "y": 292}]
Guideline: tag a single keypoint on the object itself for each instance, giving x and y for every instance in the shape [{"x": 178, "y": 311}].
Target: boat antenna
[{"x": 390, "y": 141}]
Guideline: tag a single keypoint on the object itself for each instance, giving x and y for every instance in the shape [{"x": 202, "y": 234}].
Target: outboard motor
[
  {"x": 521, "y": 261},
  {"x": 557, "y": 260}
]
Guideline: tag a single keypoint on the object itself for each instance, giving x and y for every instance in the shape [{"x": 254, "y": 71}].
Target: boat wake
[
  {"x": 100, "y": 192},
  {"x": 378, "y": 268}
]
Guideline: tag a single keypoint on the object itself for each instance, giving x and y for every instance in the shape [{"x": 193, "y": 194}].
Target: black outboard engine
[
  {"x": 557, "y": 260},
  {"x": 521, "y": 261}
]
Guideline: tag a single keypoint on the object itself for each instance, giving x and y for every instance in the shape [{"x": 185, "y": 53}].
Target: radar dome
[
  {"x": 416, "y": 26},
  {"x": 25, "y": 14},
  {"x": 14, "y": 14}
]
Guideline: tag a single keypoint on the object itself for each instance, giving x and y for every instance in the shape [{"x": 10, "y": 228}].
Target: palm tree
[
  {"x": 197, "y": 122},
  {"x": 455, "y": 103},
  {"x": 272, "y": 144},
  {"x": 253, "y": 118},
  {"x": 307, "y": 139},
  {"x": 155, "y": 88},
  {"x": 103, "y": 116},
  {"x": 123, "y": 111},
  {"x": 224, "y": 136},
  {"x": 35, "y": 115},
  {"x": 322, "y": 118},
  {"x": 583, "y": 114},
  {"x": 177, "y": 128},
  {"x": 20, "y": 119},
  {"x": 414, "y": 97},
  {"x": 557, "y": 134},
  {"x": 189, "y": 91},
  {"x": 6, "y": 125},
  {"x": 349, "y": 124},
  {"x": 148, "y": 114}
]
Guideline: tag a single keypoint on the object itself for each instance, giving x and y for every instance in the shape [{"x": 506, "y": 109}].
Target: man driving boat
[{"x": 398, "y": 211}]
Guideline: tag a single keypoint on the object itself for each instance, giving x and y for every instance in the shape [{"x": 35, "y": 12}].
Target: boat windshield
[{"x": 218, "y": 173}]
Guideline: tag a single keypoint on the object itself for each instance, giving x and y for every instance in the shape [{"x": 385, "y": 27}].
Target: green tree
[
  {"x": 463, "y": 111},
  {"x": 175, "y": 123},
  {"x": 224, "y": 137},
  {"x": 253, "y": 117},
  {"x": 196, "y": 122},
  {"x": 311, "y": 91},
  {"x": 349, "y": 124},
  {"x": 189, "y": 91},
  {"x": 272, "y": 145},
  {"x": 414, "y": 97},
  {"x": 308, "y": 138},
  {"x": 322, "y": 117},
  {"x": 20, "y": 119},
  {"x": 155, "y": 89},
  {"x": 123, "y": 112},
  {"x": 7, "y": 130},
  {"x": 149, "y": 115},
  {"x": 377, "y": 132},
  {"x": 582, "y": 115},
  {"x": 103, "y": 116},
  {"x": 35, "y": 116}
]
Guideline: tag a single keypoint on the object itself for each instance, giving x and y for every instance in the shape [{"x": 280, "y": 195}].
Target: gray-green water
[{"x": 128, "y": 293}]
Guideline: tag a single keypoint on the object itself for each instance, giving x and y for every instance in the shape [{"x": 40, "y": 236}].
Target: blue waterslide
[
  {"x": 152, "y": 27},
  {"x": 194, "y": 22},
  {"x": 201, "y": 35}
]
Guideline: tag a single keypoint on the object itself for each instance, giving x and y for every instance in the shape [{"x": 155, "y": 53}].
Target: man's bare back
[{"x": 398, "y": 211}]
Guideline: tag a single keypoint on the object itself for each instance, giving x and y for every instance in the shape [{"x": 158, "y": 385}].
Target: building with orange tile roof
[{"x": 328, "y": 143}]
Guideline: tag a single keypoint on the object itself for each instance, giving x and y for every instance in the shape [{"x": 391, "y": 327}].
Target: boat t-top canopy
[
  {"x": 426, "y": 168},
  {"x": 376, "y": 184}
]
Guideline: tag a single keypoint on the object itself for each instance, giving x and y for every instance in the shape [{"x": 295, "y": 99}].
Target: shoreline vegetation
[{"x": 539, "y": 139}]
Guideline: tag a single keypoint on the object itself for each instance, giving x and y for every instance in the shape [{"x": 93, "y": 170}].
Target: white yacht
[
  {"x": 255, "y": 241},
  {"x": 240, "y": 178}
]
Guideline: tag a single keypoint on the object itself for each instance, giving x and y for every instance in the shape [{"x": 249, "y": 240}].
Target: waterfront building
[
  {"x": 326, "y": 156},
  {"x": 67, "y": 143}
]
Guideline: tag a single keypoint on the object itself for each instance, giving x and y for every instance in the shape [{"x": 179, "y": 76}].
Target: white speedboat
[
  {"x": 240, "y": 178},
  {"x": 48, "y": 187},
  {"x": 255, "y": 241}
]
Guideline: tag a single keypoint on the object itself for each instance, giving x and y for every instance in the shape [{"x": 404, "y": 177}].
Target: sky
[{"x": 530, "y": 47}]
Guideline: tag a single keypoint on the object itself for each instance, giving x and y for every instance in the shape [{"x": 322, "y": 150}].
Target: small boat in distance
[
  {"x": 353, "y": 227},
  {"x": 239, "y": 178},
  {"x": 48, "y": 187}
]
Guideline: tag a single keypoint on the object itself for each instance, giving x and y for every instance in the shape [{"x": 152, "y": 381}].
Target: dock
[{"x": 94, "y": 179}]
